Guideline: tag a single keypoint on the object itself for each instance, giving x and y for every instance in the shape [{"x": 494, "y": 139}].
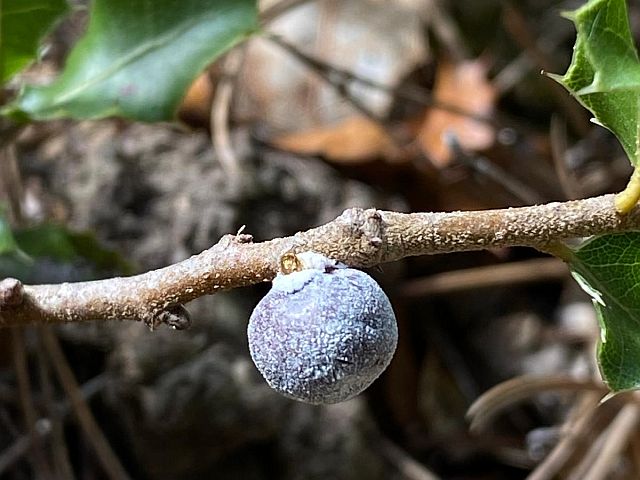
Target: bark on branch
[{"x": 360, "y": 238}]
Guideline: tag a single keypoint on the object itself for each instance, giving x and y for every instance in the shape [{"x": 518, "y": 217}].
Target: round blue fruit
[{"x": 324, "y": 333}]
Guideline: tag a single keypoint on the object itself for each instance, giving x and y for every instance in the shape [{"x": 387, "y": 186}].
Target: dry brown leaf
[
  {"x": 354, "y": 140},
  {"x": 196, "y": 104},
  {"x": 382, "y": 41},
  {"x": 463, "y": 85}
]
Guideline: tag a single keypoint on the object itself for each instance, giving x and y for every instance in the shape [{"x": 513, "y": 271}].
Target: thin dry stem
[
  {"x": 59, "y": 450},
  {"x": 220, "y": 116},
  {"x": 575, "y": 431},
  {"x": 360, "y": 238},
  {"x": 406, "y": 465},
  {"x": 526, "y": 271},
  {"x": 38, "y": 460},
  {"x": 109, "y": 460},
  {"x": 605, "y": 451},
  {"x": 21, "y": 446},
  {"x": 558, "y": 139},
  {"x": 518, "y": 389}
]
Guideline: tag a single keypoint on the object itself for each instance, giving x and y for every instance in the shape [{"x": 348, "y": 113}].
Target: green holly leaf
[
  {"x": 23, "y": 23},
  {"x": 137, "y": 58},
  {"x": 604, "y": 74},
  {"x": 608, "y": 268}
]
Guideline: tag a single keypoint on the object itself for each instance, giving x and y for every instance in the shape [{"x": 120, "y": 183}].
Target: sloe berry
[{"x": 323, "y": 333}]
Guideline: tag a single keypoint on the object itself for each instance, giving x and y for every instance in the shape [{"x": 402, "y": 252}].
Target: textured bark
[{"x": 359, "y": 238}]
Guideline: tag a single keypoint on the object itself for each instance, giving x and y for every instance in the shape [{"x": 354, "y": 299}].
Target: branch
[{"x": 360, "y": 238}]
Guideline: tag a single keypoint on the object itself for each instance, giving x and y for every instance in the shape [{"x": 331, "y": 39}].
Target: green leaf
[
  {"x": 59, "y": 243},
  {"x": 22, "y": 251},
  {"x": 14, "y": 262},
  {"x": 22, "y": 24},
  {"x": 604, "y": 74},
  {"x": 138, "y": 58},
  {"x": 608, "y": 268},
  {"x": 7, "y": 241}
]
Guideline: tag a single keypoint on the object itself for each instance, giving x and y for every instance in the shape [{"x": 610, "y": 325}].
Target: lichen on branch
[{"x": 359, "y": 238}]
